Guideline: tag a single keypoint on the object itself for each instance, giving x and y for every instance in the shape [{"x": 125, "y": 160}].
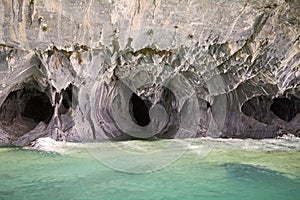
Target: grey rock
[{"x": 142, "y": 69}]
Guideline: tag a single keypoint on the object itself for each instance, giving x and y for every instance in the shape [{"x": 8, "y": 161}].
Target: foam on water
[{"x": 232, "y": 169}]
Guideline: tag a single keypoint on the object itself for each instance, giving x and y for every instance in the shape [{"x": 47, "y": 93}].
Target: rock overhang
[{"x": 228, "y": 52}]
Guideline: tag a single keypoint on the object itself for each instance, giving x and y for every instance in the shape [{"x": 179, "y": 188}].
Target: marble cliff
[{"x": 124, "y": 69}]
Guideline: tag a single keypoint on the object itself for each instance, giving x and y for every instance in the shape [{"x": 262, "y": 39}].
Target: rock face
[{"x": 76, "y": 70}]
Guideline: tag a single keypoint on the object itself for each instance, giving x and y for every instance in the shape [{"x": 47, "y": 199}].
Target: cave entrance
[
  {"x": 258, "y": 108},
  {"x": 37, "y": 108},
  {"x": 67, "y": 99},
  {"x": 23, "y": 109},
  {"x": 284, "y": 108},
  {"x": 139, "y": 110}
]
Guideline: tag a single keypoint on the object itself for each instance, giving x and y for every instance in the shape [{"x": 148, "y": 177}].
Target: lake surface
[{"x": 232, "y": 169}]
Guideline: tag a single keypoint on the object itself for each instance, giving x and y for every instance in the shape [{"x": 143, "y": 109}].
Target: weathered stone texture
[{"x": 239, "y": 59}]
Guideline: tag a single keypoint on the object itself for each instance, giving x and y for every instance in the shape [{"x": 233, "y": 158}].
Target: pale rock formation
[{"x": 102, "y": 69}]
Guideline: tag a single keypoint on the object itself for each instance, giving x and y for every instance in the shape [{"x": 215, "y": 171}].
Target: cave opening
[
  {"x": 67, "y": 99},
  {"x": 24, "y": 109},
  {"x": 258, "y": 108},
  {"x": 284, "y": 108},
  {"x": 38, "y": 107},
  {"x": 139, "y": 110}
]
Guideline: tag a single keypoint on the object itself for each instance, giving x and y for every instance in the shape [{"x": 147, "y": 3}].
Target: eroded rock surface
[{"x": 74, "y": 70}]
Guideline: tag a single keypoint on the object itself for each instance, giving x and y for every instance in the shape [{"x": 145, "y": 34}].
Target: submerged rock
[{"x": 86, "y": 70}]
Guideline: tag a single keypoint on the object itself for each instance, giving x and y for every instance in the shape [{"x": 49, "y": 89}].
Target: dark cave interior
[
  {"x": 23, "y": 109},
  {"x": 139, "y": 110},
  {"x": 67, "y": 99},
  {"x": 284, "y": 108},
  {"x": 262, "y": 107}
]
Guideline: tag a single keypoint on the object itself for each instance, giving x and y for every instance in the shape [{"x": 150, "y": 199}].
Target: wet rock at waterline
[{"x": 74, "y": 70}]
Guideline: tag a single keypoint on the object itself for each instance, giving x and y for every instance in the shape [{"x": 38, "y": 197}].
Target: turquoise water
[{"x": 229, "y": 171}]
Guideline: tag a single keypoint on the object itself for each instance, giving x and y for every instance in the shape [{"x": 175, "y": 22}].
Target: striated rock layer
[{"x": 124, "y": 69}]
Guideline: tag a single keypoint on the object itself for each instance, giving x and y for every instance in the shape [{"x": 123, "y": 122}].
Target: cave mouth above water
[
  {"x": 139, "y": 110},
  {"x": 284, "y": 108},
  {"x": 258, "y": 108},
  {"x": 263, "y": 108},
  {"x": 37, "y": 108},
  {"x": 23, "y": 109}
]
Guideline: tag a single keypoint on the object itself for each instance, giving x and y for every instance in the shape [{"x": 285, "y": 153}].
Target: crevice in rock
[
  {"x": 151, "y": 52},
  {"x": 139, "y": 110},
  {"x": 31, "y": 11},
  {"x": 205, "y": 111},
  {"x": 170, "y": 103},
  {"x": 24, "y": 109},
  {"x": 207, "y": 104},
  {"x": 67, "y": 99}
]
